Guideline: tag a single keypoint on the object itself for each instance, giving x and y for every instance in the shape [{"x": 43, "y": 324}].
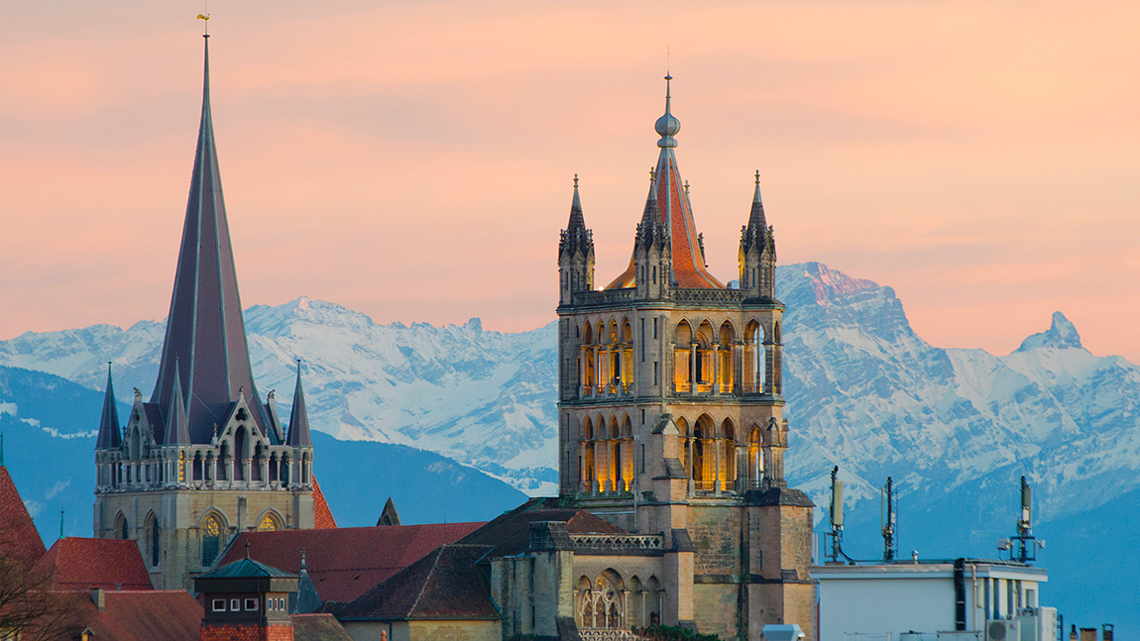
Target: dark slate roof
[
  {"x": 344, "y": 562},
  {"x": 246, "y": 569},
  {"x": 318, "y": 627},
  {"x": 170, "y": 615},
  {"x": 19, "y": 539},
  {"x": 509, "y": 533},
  {"x": 205, "y": 331},
  {"x": 445, "y": 584},
  {"x": 110, "y": 430},
  {"x": 778, "y": 496},
  {"x": 299, "y": 418},
  {"x": 85, "y": 564}
]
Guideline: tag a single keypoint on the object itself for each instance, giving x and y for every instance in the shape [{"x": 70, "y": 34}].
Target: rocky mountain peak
[{"x": 1062, "y": 334}]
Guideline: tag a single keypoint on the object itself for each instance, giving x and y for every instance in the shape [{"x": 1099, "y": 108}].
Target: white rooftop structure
[{"x": 933, "y": 600}]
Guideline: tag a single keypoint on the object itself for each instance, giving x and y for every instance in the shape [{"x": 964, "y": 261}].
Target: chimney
[{"x": 99, "y": 599}]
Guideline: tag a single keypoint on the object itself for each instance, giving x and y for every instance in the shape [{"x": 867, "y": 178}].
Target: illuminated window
[
  {"x": 182, "y": 467},
  {"x": 211, "y": 539},
  {"x": 268, "y": 523}
]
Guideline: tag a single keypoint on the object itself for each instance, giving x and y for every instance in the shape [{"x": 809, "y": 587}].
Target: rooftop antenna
[
  {"x": 61, "y": 524},
  {"x": 888, "y": 514},
  {"x": 836, "y": 533},
  {"x": 1024, "y": 546}
]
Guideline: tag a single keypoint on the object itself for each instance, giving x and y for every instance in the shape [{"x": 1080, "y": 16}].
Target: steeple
[
  {"x": 757, "y": 256},
  {"x": 205, "y": 331},
  {"x": 575, "y": 252},
  {"x": 674, "y": 211},
  {"x": 299, "y": 419},
  {"x": 110, "y": 434}
]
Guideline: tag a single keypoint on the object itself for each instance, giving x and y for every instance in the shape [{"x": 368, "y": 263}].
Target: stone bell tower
[
  {"x": 671, "y": 411},
  {"x": 204, "y": 458}
]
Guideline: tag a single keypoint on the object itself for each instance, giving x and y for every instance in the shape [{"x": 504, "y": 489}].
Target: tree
[{"x": 29, "y": 609}]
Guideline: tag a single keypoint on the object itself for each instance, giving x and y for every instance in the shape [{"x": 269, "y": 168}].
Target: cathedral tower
[
  {"x": 204, "y": 458},
  {"x": 671, "y": 411}
]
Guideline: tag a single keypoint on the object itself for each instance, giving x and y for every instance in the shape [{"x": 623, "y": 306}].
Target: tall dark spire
[
  {"x": 299, "y": 418},
  {"x": 205, "y": 331},
  {"x": 110, "y": 436}
]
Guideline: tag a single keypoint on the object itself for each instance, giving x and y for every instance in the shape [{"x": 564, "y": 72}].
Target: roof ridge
[{"x": 423, "y": 586}]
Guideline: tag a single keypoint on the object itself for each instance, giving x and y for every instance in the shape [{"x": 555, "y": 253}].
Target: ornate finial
[
  {"x": 303, "y": 565},
  {"x": 686, "y": 188},
  {"x": 667, "y": 125},
  {"x": 757, "y": 176},
  {"x": 575, "y": 181},
  {"x": 206, "y": 25},
  {"x": 247, "y": 549}
]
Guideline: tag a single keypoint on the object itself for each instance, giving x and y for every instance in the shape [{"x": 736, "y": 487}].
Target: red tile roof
[
  {"x": 84, "y": 564},
  {"x": 19, "y": 539},
  {"x": 345, "y": 562},
  {"x": 170, "y": 615},
  {"x": 318, "y": 627},
  {"x": 445, "y": 584},
  {"x": 322, "y": 515}
]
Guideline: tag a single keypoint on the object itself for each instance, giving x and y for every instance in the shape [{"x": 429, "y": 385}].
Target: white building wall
[{"x": 874, "y": 606}]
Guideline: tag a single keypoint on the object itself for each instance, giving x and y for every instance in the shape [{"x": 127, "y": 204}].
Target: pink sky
[{"x": 414, "y": 161}]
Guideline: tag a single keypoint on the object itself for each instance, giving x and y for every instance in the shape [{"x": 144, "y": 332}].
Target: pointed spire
[
  {"x": 756, "y": 217},
  {"x": 110, "y": 432},
  {"x": 577, "y": 220},
  {"x": 177, "y": 423},
  {"x": 755, "y": 234},
  {"x": 687, "y": 267},
  {"x": 205, "y": 329},
  {"x": 299, "y": 419},
  {"x": 388, "y": 515}
]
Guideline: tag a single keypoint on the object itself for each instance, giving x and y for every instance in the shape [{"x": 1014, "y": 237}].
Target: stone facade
[{"x": 671, "y": 425}]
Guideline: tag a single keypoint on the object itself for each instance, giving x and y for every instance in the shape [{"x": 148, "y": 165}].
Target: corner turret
[
  {"x": 757, "y": 252},
  {"x": 652, "y": 251},
  {"x": 575, "y": 253}
]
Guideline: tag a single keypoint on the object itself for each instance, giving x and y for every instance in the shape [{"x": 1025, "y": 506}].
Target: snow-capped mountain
[
  {"x": 484, "y": 399},
  {"x": 864, "y": 392}
]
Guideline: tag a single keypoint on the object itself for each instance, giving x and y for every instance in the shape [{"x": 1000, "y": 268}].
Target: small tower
[
  {"x": 246, "y": 600},
  {"x": 575, "y": 253},
  {"x": 757, "y": 252}
]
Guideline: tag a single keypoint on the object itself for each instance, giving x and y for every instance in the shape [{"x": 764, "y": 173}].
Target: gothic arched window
[
  {"x": 126, "y": 530},
  {"x": 268, "y": 523},
  {"x": 211, "y": 540}
]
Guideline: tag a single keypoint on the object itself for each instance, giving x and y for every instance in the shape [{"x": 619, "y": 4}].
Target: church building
[
  {"x": 206, "y": 457},
  {"x": 671, "y": 426}
]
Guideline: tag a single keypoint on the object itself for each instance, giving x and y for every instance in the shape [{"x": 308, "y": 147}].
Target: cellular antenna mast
[
  {"x": 889, "y": 518},
  {"x": 836, "y": 533},
  {"x": 1024, "y": 546}
]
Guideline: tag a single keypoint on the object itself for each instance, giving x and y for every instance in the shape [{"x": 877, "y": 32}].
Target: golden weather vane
[{"x": 206, "y": 26}]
